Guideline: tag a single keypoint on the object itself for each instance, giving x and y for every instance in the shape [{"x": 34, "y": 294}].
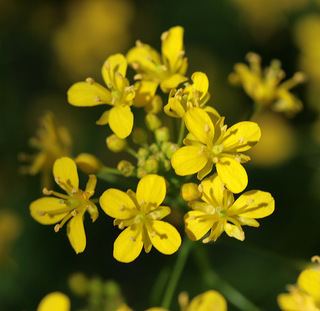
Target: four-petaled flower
[
  {"x": 141, "y": 213},
  {"x": 217, "y": 211},
  {"x": 119, "y": 95},
  {"x": 211, "y": 144},
  {"x": 69, "y": 207}
]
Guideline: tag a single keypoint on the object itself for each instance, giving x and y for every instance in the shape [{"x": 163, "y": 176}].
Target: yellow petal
[
  {"x": 88, "y": 163},
  {"x": 199, "y": 124},
  {"x": 197, "y": 224},
  {"x": 117, "y": 204},
  {"x": 205, "y": 171},
  {"x": 76, "y": 233},
  {"x": 242, "y": 136},
  {"x": 234, "y": 231},
  {"x": 104, "y": 118},
  {"x": 121, "y": 121},
  {"x": 41, "y": 208},
  {"x": 189, "y": 160},
  {"x": 200, "y": 83},
  {"x": 210, "y": 300},
  {"x": 253, "y": 204},
  {"x": 128, "y": 244},
  {"x": 151, "y": 189},
  {"x": 84, "y": 94},
  {"x": 172, "y": 46},
  {"x": 145, "y": 91},
  {"x": 214, "y": 188},
  {"x": 65, "y": 174},
  {"x": 55, "y": 301},
  {"x": 232, "y": 174},
  {"x": 172, "y": 82},
  {"x": 309, "y": 281},
  {"x": 164, "y": 237},
  {"x": 116, "y": 63},
  {"x": 174, "y": 108}
]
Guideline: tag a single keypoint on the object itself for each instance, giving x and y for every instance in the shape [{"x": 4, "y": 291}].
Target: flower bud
[
  {"x": 152, "y": 121},
  {"x": 151, "y": 165},
  {"x": 155, "y": 105},
  {"x": 169, "y": 149},
  {"x": 126, "y": 168},
  {"x": 88, "y": 163},
  {"x": 139, "y": 136},
  {"x": 116, "y": 144},
  {"x": 78, "y": 284},
  {"x": 162, "y": 134},
  {"x": 190, "y": 192}
]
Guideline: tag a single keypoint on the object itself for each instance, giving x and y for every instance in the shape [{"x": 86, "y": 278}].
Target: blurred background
[{"x": 47, "y": 45}]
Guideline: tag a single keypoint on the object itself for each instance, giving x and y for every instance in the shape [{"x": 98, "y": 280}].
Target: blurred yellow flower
[
  {"x": 305, "y": 296},
  {"x": 265, "y": 87},
  {"x": 141, "y": 213},
  {"x": 193, "y": 95},
  {"x": 119, "y": 95},
  {"x": 92, "y": 30},
  {"x": 55, "y": 301},
  {"x": 69, "y": 207},
  {"x": 210, "y": 144},
  {"x": 217, "y": 211},
  {"x": 88, "y": 163},
  {"x": 52, "y": 142},
  {"x": 167, "y": 70}
]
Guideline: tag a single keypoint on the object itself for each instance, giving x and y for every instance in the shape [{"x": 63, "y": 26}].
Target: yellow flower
[
  {"x": 193, "y": 95},
  {"x": 218, "y": 212},
  {"x": 52, "y": 142},
  {"x": 167, "y": 70},
  {"x": 141, "y": 213},
  {"x": 55, "y": 301},
  {"x": 265, "y": 87},
  {"x": 119, "y": 94},
  {"x": 209, "y": 144},
  {"x": 305, "y": 296},
  {"x": 69, "y": 207},
  {"x": 209, "y": 300}
]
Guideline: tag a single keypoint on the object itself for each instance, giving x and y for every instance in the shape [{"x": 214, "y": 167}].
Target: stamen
[
  {"x": 56, "y": 228},
  {"x": 90, "y": 81}
]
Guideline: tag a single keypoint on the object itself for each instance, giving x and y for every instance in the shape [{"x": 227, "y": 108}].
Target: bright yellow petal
[
  {"x": 117, "y": 204},
  {"x": 213, "y": 187},
  {"x": 121, "y": 121},
  {"x": 172, "y": 82},
  {"x": 253, "y": 204},
  {"x": 115, "y": 64},
  {"x": 210, "y": 300},
  {"x": 65, "y": 174},
  {"x": 197, "y": 224},
  {"x": 234, "y": 231},
  {"x": 84, "y": 94},
  {"x": 232, "y": 174},
  {"x": 151, "y": 189},
  {"x": 55, "y": 301},
  {"x": 242, "y": 136},
  {"x": 205, "y": 171},
  {"x": 189, "y": 160},
  {"x": 104, "y": 118},
  {"x": 76, "y": 233},
  {"x": 41, "y": 208},
  {"x": 174, "y": 108},
  {"x": 200, "y": 83},
  {"x": 145, "y": 91},
  {"x": 164, "y": 237},
  {"x": 128, "y": 244},
  {"x": 172, "y": 46},
  {"x": 309, "y": 281},
  {"x": 199, "y": 124}
]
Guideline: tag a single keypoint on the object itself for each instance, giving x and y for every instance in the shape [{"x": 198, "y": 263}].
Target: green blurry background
[{"x": 45, "y": 46}]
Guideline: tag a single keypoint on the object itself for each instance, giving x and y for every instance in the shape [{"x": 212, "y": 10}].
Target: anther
[
  {"x": 57, "y": 228},
  {"x": 97, "y": 99},
  {"x": 90, "y": 80},
  {"x": 45, "y": 191}
]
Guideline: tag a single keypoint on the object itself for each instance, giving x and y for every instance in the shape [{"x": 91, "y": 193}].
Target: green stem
[
  {"x": 181, "y": 132},
  {"x": 132, "y": 152},
  {"x": 212, "y": 279},
  {"x": 109, "y": 170},
  {"x": 176, "y": 273}
]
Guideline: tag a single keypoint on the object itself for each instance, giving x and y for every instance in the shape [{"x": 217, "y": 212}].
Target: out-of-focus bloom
[
  {"x": 305, "y": 295},
  {"x": 190, "y": 191},
  {"x": 265, "y": 17},
  {"x": 116, "y": 144},
  {"x": 141, "y": 213},
  {"x": 70, "y": 207},
  {"x": 126, "y": 168},
  {"x": 277, "y": 144},
  {"x": 167, "y": 70},
  {"x": 193, "y": 95},
  {"x": 210, "y": 144},
  {"x": 55, "y": 301},
  {"x": 88, "y": 163},
  {"x": 92, "y": 30},
  {"x": 119, "y": 95},
  {"x": 217, "y": 211},
  {"x": 52, "y": 142},
  {"x": 265, "y": 87}
]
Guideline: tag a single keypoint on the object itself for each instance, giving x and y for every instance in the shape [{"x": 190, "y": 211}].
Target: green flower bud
[
  {"x": 141, "y": 172},
  {"x": 116, "y": 144},
  {"x": 126, "y": 168},
  {"x": 162, "y": 134},
  {"x": 78, "y": 284},
  {"x": 143, "y": 153},
  {"x": 152, "y": 121},
  {"x": 151, "y": 165},
  {"x": 169, "y": 149},
  {"x": 139, "y": 136}
]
